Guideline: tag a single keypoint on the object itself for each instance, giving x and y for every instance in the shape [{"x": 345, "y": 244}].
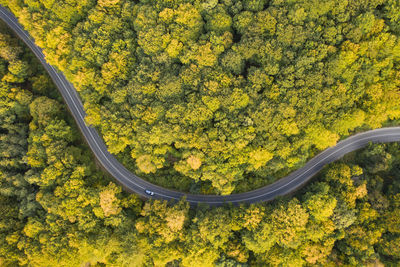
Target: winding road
[{"x": 137, "y": 185}]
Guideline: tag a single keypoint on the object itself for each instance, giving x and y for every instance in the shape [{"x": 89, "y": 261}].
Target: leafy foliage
[
  {"x": 57, "y": 209},
  {"x": 250, "y": 88}
]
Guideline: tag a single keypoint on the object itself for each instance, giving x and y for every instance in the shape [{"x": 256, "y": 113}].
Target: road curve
[{"x": 137, "y": 185}]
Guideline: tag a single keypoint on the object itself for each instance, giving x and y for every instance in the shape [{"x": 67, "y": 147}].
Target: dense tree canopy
[
  {"x": 52, "y": 198},
  {"x": 57, "y": 209},
  {"x": 226, "y": 94}
]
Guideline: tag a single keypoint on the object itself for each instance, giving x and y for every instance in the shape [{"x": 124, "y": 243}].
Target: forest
[
  {"x": 58, "y": 209},
  {"x": 219, "y": 97}
]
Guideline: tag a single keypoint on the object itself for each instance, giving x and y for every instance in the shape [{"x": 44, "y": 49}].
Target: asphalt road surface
[{"x": 137, "y": 185}]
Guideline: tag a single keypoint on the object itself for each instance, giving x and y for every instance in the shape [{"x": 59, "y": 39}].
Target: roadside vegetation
[
  {"x": 223, "y": 96},
  {"x": 58, "y": 209}
]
